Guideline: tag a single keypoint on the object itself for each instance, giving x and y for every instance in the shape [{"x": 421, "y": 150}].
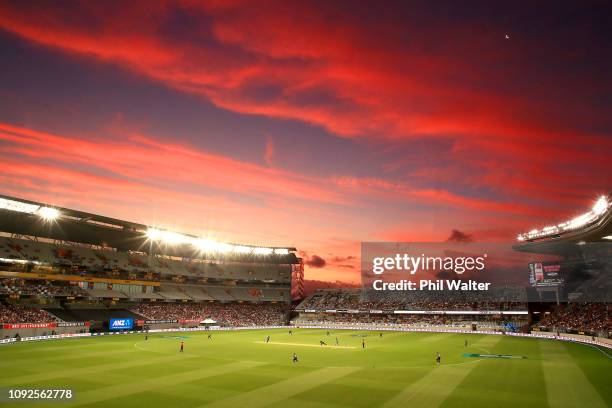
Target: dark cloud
[
  {"x": 460, "y": 236},
  {"x": 315, "y": 261},
  {"x": 342, "y": 258}
]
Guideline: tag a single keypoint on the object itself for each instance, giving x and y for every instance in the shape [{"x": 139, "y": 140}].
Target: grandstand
[
  {"x": 581, "y": 282},
  {"x": 419, "y": 311},
  {"x": 59, "y": 264},
  {"x": 571, "y": 295}
]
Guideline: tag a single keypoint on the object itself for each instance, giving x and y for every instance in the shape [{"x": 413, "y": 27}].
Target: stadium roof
[
  {"x": 594, "y": 226},
  {"x": 24, "y": 217}
]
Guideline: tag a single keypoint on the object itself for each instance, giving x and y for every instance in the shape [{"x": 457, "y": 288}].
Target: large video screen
[
  {"x": 121, "y": 324},
  {"x": 545, "y": 274}
]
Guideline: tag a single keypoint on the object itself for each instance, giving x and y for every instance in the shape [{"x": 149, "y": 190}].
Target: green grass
[{"x": 237, "y": 369}]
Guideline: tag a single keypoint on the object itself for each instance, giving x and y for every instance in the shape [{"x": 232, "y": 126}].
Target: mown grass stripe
[
  {"x": 149, "y": 384},
  {"x": 566, "y": 384},
  {"x": 66, "y": 344},
  {"x": 280, "y": 343},
  {"x": 435, "y": 337},
  {"x": 284, "y": 389},
  {"x": 74, "y": 355},
  {"x": 434, "y": 387},
  {"x": 89, "y": 370}
]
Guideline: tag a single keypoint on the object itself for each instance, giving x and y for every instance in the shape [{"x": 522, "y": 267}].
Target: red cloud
[
  {"x": 150, "y": 162},
  {"x": 358, "y": 75},
  {"x": 269, "y": 152},
  {"x": 368, "y": 85},
  {"x": 143, "y": 179},
  {"x": 142, "y": 158},
  {"x": 368, "y": 74}
]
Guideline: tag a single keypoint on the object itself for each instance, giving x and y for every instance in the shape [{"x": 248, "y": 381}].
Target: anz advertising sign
[{"x": 121, "y": 324}]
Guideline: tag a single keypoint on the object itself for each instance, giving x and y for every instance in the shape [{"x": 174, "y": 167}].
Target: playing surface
[{"x": 238, "y": 369}]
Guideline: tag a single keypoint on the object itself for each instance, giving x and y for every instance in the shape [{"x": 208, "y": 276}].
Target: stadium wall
[
  {"x": 581, "y": 337},
  {"x": 25, "y": 331}
]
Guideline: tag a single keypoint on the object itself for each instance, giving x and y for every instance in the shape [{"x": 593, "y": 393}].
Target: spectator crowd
[
  {"x": 482, "y": 322},
  {"x": 39, "y": 288},
  {"x": 20, "y": 314},
  {"x": 227, "y": 314},
  {"x": 501, "y": 299},
  {"x": 592, "y": 317}
]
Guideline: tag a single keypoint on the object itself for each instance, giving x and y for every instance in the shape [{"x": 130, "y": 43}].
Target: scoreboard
[{"x": 545, "y": 274}]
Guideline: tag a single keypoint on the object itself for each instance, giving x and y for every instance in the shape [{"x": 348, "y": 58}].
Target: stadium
[
  {"x": 124, "y": 314},
  {"x": 305, "y": 204}
]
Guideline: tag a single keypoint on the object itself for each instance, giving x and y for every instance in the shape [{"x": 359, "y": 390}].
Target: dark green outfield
[{"x": 237, "y": 369}]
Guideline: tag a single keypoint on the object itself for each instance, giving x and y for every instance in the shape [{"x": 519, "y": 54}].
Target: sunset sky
[{"x": 312, "y": 124}]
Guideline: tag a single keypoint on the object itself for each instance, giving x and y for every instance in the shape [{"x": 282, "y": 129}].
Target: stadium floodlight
[
  {"x": 243, "y": 249},
  {"x": 221, "y": 247},
  {"x": 608, "y": 237},
  {"x": 224, "y": 248},
  {"x": 204, "y": 245},
  {"x": 167, "y": 237},
  {"x": 48, "y": 213},
  {"x": 600, "y": 207},
  {"x": 154, "y": 234},
  {"x": 209, "y": 245},
  {"x": 174, "y": 238},
  {"x": 262, "y": 251},
  {"x": 578, "y": 221},
  {"x": 18, "y": 206}
]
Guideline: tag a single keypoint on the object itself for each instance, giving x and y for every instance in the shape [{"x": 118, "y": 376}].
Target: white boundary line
[{"x": 597, "y": 348}]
